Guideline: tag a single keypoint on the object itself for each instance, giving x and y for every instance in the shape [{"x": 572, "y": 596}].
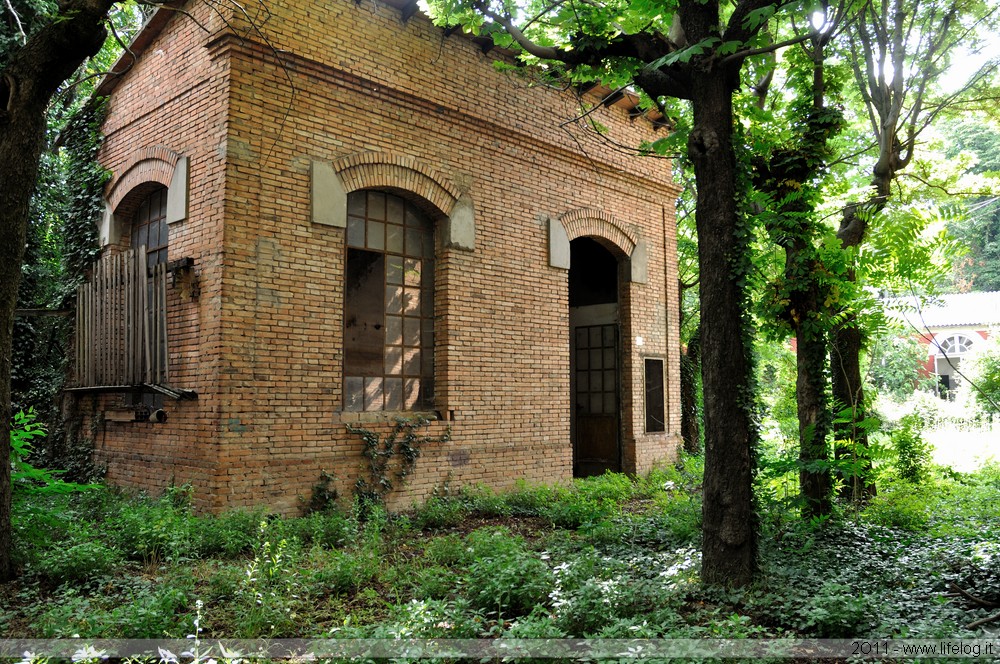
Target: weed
[
  {"x": 76, "y": 563},
  {"x": 503, "y": 577},
  {"x": 439, "y": 512}
]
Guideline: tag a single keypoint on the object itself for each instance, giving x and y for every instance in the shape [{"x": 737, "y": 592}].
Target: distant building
[{"x": 952, "y": 326}]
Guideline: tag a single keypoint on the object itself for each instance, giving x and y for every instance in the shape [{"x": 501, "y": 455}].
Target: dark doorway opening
[{"x": 594, "y": 359}]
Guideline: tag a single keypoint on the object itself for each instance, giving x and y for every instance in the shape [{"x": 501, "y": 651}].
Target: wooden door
[{"x": 595, "y": 400}]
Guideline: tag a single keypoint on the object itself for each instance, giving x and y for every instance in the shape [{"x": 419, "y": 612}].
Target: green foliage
[
  {"x": 79, "y": 562},
  {"x": 268, "y": 595},
  {"x": 913, "y": 453},
  {"x": 895, "y": 365},
  {"x": 634, "y": 576},
  {"x": 503, "y": 577},
  {"x": 983, "y": 373},
  {"x": 440, "y": 512},
  {"x": 24, "y": 476}
]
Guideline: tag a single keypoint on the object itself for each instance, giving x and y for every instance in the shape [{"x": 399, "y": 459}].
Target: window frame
[{"x": 400, "y": 237}]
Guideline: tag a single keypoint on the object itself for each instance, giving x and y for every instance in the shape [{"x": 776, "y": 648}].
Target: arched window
[
  {"x": 953, "y": 345},
  {"x": 149, "y": 230},
  {"x": 149, "y": 227},
  {"x": 388, "y": 305}
]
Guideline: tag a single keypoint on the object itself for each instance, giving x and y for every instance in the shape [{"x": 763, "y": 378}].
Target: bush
[
  {"x": 439, "y": 512},
  {"x": 913, "y": 453},
  {"x": 78, "y": 562},
  {"x": 983, "y": 372},
  {"x": 900, "y": 508},
  {"x": 503, "y": 577}
]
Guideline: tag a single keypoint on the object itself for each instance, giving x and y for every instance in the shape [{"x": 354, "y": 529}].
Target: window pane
[
  {"x": 411, "y": 396},
  {"x": 609, "y": 403},
  {"x": 411, "y": 331},
  {"x": 411, "y": 274},
  {"x": 356, "y": 203},
  {"x": 354, "y": 393},
  {"x": 411, "y": 361},
  {"x": 595, "y": 337},
  {"x": 394, "y": 239},
  {"x": 596, "y": 381},
  {"x": 364, "y": 313},
  {"x": 394, "y": 360},
  {"x": 373, "y": 394},
  {"x": 394, "y": 270},
  {"x": 393, "y": 330},
  {"x": 411, "y": 301},
  {"x": 376, "y": 235},
  {"x": 355, "y": 232},
  {"x": 655, "y": 420},
  {"x": 394, "y": 394},
  {"x": 376, "y": 205},
  {"x": 394, "y": 300},
  {"x": 394, "y": 209},
  {"x": 414, "y": 242}
]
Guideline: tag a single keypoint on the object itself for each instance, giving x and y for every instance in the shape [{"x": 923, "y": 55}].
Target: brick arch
[
  {"x": 155, "y": 164},
  {"x": 374, "y": 170},
  {"x": 603, "y": 227}
]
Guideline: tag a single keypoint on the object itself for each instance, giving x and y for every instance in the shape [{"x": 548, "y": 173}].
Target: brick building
[{"x": 337, "y": 214}]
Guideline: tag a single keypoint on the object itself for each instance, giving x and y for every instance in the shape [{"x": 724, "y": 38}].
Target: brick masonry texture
[{"x": 396, "y": 106}]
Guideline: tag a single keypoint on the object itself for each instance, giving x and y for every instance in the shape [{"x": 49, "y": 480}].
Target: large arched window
[
  {"x": 149, "y": 230},
  {"x": 388, "y": 305}
]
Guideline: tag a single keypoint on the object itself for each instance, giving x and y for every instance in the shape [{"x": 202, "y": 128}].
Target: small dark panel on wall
[{"x": 655, "y": 418}]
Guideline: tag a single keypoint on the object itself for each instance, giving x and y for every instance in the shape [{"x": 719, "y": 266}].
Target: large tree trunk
[
  {"x": 26, "y": 85},
  {"x": 729, "y": 535},
  {"x": 814, "y": 418},
  {"x": 848, "y": 392},
  {"x": 690, "y": 366}
]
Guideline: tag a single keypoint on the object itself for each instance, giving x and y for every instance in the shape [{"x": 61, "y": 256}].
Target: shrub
[
  {"x": 983, "y": 372},
  {"x": 328, "y": 528},
  {"x": 899, "y": 507},
  {"x": 447, "y": 550},
  {"x": 913, "y": 453},
  {"x": 439, "y": 512},
  {"x": 835, "y": 611},
  {"x": 503, "y": 577},
  {"x": 337, "y": 571},
  {"x": 78, "y": 562}
]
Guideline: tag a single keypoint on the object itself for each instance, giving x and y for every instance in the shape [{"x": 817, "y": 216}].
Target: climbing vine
[{"x": 403, "y": 444}]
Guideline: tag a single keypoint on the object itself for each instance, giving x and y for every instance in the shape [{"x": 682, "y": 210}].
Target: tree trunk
[
  {"x": 31, "y": 77},
  {"x": 848, "y": 392},
  {"x": 690, "y": 366},
  {"x": 729, "y": 535},
  {"x": 814, "y": 418}
]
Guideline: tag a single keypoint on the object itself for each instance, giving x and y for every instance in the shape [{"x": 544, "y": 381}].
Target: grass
[{"x": 607, "y": 557}]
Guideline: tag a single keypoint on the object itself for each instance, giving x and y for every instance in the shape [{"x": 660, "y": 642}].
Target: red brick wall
[{"x": 382, "y": 101}]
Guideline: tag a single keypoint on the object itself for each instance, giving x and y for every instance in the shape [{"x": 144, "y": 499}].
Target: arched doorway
[{"x": 595, "y": 359}]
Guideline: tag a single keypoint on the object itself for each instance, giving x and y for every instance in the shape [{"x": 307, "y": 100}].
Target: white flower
[
  {"x": 87, "y": 653},
  {"x": 167, "y": 657}
]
